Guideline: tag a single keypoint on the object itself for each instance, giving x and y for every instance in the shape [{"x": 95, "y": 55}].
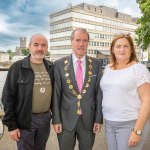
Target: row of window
[
  {"x": 61, "y": 30},
  {"x": 63, "y": 36},
  {"x": 100, "y": 36},
  {"x": 66, "y": 36},
  {"x": 112, "y": 30},
  {"x": 92, "y": 19},
  {"x": 92, "y": 27},
  {"x": 112, "y": 22},
  {"x": 61, "y": 21},
  {"x": 101, "y": 44},
  {"x": 60, "y": 39},
  {"x": 62, "y": 25},
  {"x": 91, "y": 52}
]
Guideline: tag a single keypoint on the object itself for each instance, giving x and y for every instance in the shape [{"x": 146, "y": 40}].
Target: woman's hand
[{"x": 133, "y": 139}]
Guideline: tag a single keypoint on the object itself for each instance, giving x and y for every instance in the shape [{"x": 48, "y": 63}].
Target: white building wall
[
  {"x": 87, "y": 26},
  {"x": 4, "y": 57},
  {"x": 62, "y": 51},
  {"x": 62, "y": 25},
  {"x": 87, "y": 17},
  {"x": 60, "y": 43},
  {"x": 110, "y": 21},
  {"x": 61, "y": 17},
  {"x": 62, "y": 34}
]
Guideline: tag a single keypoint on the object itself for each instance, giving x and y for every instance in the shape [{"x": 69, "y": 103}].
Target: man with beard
[{"x": 27, "y": 97}]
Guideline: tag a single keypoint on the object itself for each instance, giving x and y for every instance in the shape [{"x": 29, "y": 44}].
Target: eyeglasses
[{"x": 122, "y": 34}]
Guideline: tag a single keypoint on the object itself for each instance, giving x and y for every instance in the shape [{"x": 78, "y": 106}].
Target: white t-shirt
[{"x": 121, "y": 100}]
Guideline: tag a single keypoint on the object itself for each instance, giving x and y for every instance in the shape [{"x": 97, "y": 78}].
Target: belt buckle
[{"x": 40, "y": 114}]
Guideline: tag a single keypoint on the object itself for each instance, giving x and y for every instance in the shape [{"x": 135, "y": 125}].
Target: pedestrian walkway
[{"x": 52, "y": 144}]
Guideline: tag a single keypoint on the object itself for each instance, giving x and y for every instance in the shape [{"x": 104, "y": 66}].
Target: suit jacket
[{"x": 65, "y": 102}]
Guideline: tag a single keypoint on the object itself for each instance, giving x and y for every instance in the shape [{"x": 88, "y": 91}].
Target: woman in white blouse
[{"x": 126, "y": 97}]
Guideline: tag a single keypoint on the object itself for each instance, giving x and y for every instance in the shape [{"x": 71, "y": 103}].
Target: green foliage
[
  {"x": 143, "y": 31},
  {"x": 25, "y": 51},
  {"x": 11, "y": 54}
]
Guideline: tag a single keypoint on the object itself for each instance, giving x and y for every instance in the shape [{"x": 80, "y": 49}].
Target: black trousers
[
  {"x": 67, "y": 139},
  {"x": 36, "y": 138}
]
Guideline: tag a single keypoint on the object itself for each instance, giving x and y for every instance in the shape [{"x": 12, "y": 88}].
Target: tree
[
  {"x": 143, "y": 31},
  {"x": 25, "y": 51},
  {"x": 11, "y": 53}
]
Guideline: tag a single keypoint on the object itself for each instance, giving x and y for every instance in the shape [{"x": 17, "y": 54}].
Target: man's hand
[
  {"x": 15, "y": 134},
  {"x": 58, "y": 128},
  {"x": 97, "y": 127}
]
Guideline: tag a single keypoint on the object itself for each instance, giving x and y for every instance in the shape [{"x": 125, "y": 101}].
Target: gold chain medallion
[{"x": 71, "y": 87}]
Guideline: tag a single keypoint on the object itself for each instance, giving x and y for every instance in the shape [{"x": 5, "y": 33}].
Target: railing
[{"x": 4, "y": 69}]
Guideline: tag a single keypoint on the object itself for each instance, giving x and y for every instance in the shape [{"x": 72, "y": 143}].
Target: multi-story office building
[{"x": 101, "y": 22}]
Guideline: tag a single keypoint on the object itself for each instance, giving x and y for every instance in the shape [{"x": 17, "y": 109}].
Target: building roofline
[{"x": 117, "y": 13}]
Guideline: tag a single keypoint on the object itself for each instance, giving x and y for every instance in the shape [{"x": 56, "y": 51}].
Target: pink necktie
[{"x": 79, "y": 76}]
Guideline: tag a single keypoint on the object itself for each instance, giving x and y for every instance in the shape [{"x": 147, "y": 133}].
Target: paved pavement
[{"x": 52, "y": 144}]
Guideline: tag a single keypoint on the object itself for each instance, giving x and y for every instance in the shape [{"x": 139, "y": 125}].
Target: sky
[{"x": 23, "y": 18}]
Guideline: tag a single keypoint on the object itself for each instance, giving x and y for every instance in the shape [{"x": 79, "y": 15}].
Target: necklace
[{"x": 71, "y": 87}]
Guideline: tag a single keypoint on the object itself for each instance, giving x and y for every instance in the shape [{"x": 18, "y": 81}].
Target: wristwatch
[{"x": 137, "y": 132}]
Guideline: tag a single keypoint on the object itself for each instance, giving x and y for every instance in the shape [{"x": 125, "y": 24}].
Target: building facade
[
  {"x": 4, "y": 57},
  {"x": 101, "y": 22}
]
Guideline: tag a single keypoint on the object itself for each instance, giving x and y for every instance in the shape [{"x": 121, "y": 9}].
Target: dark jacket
[
  {"x": 17, "y": 93},
  {"x": 65, "y": 103}
]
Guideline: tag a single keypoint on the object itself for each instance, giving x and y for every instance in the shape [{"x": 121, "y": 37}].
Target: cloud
[
  {"x": 129, "y": 7},
  {"x": 27, "y": 17},
  {"x": 22, "y": 18},
  {"x": 3, "y": 24}
]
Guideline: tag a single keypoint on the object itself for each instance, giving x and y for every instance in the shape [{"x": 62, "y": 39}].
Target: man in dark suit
[{"x": 77, "y": 110}]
